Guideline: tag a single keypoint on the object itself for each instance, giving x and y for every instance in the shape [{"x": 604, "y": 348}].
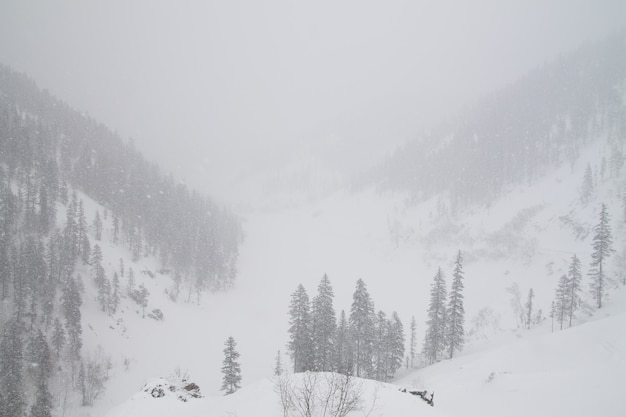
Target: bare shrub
[{"x": 319, "y": 394}]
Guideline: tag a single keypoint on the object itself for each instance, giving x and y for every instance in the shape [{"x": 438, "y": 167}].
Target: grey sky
[{"x": 205, "y": 86}]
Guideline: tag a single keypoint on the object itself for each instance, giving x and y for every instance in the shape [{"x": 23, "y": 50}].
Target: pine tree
[
  {"x": 587, "y": 187},
  {"x": 71, "y": 302},
  {"x": 381, "y": 346},
  {"x": 278, "y": 365},
  {"x": 343, "y": 350},
  {"x": 561, "y": 301},
  {"x": 413, "y": 342},
  {"x": 130, "y": 285},
  {"x": 11, "y": 380},
  {"x": 97, "y": 226},
  {"x": 456, "y": 312},
  {"x": 435, "y": 338},
  {"x": 231, "y": 368},
  {"x": 300, "y": 337},
  {"x": 324, "y": 326},
  {"x": 104, "y": 293},
  {"x": 83, "y": 240},
  {"x": 529, "y": 307},
  {"x": 40, "y": 357},
  {"x": 42, "y": 407},
  {"x": 58, "y": 337},
  {"x": 116, "y": 230},
  {"x": 575, "y": 277},
  {"x": 396, "y": 335},
  {"x": 602, "y": 249},
  {"x": 141, "y": 297},
  {"x": 361, "y": 323},
  {"x": 624, "y": 203},
  {"x": 114, "y": 299}
]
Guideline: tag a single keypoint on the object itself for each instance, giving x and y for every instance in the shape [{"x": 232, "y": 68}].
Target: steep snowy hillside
[{"x": 527, "y": 238}]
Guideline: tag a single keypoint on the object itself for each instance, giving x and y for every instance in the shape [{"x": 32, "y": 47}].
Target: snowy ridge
[{"x": 263, "y": 399}]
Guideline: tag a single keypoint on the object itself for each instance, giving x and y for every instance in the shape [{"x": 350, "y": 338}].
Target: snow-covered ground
[
  {"x": 576, "y": 372},
  {"x": 527, "y": 238}
]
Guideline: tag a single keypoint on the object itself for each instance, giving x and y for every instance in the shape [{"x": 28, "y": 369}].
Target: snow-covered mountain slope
[
  {"x": 577, "y": 372},
  {"x": 527, "y": 237},
  {"x": 580, "y": 371}
]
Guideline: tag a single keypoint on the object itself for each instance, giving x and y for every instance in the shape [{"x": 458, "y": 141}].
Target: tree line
[
  {"x": 46, "y": 148},
  {"x": 364, "y": 343},
  {"x": 515, "y": 135}
]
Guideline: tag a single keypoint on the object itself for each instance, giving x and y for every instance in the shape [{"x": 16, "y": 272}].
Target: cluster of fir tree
[
  {"x": 567, "y": 297},
  {"x": 515, "y": 135},
  {"x": 39, "y": 291},
  {"x": 365, "y": 344},
  {"x": 50, "y": 146},
  {"x": 445, "y": 333}
]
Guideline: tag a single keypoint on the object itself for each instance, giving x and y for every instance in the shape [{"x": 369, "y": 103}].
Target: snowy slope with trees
[{"x": 355, "y": 267}]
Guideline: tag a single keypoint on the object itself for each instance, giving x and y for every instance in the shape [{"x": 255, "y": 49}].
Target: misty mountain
[
  {"x": 49, "y": 149},
  {"x": 515, "y": 135}
]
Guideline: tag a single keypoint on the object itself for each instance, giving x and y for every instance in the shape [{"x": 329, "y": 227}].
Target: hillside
[
  {"x": 577, "y": 372},
  {"x": 86, "y": 223},
  {"x": 517, "y": 134},
  {"x": 527, "y": 238},
  {"x": 123, "y": 330}
]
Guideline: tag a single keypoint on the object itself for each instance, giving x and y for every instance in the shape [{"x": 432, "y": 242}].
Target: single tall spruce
[
  {"x": 300, "y": 345},
  {"x": 586, "y": 190},
  {"x": 396, "y": 344},
  {"x": 324, "y": 326},
  {"x": 278, "y": 364},
  {"x": 561, "y": 302},
  {"x": 413, "y": 342},
  {"x": 602, "y": 249},
  {"x": 435, "y": 338},
  {"x": 362, "y": 330},
  {"x": 230, "y": 367},
  {"x": 529, "y": 308},
  {"x": 456, "y": 311},
  {"x": 575, "y": 277},
  {"x": 343, "y": 347},
  {"x": 382, "y": 346},
  {"x": 71, "y": 302}
]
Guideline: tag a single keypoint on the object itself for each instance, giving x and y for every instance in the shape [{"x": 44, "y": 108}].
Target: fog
[{"x": 217, "y": 90}]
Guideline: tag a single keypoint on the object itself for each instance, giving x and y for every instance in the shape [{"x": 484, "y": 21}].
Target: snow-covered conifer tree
[
  {"x": 231, "y": 381},
  {"x": 361, "y": 323},
  {"x": 97, "y": 226},
  {"x": 413, "y": 342},
  {"x": 529, "y": 307},
  {"x": 435, "y": 338},
  {"x": 382, "y": 346},
  {"x": 561, "y": 300},
  {"x": 11, "y": 380},
  {"x": 71, "y": 302},
  {"x": 586, "y": 189},
  {"x": 396, "y": 335},
  {"x": 300, "y": 338},
  {"x": 602, "y": 249},
  {"x": 278, "y": 364},
  {"x": 343, "y": 347},
  {"x": 575, "y": 277},
  {"x": 324, "y": 326},
  {"x": 456, "y": 312}
]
